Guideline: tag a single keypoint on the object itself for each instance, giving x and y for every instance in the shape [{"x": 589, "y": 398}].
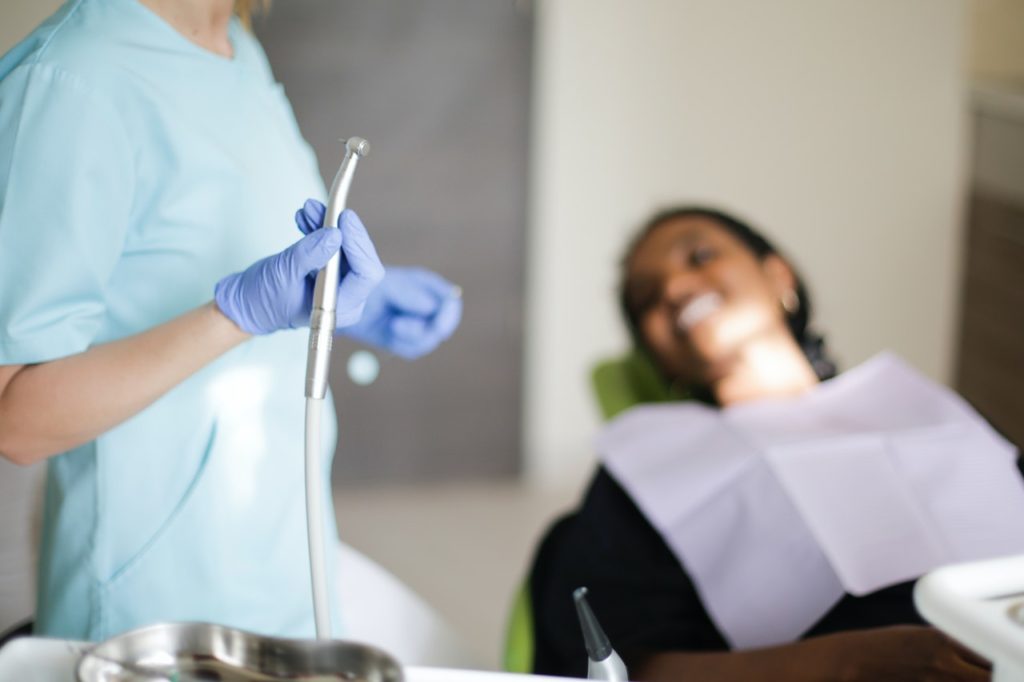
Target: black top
[{"x": 640, "y": 593}]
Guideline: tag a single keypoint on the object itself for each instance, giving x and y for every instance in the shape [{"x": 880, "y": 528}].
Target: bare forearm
[
  {"x": 805, "y": 661},
  {"x": 898, "y": 652},
  {"x": 51, "y": 407}
]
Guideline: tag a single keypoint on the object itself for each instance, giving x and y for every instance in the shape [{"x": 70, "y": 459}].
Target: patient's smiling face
[{"x": 700, "y": 294}]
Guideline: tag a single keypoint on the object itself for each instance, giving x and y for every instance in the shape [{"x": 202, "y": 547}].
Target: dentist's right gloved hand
[{"x": 277, "y": 292}]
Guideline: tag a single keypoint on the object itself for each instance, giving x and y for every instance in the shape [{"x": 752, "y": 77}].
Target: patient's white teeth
[{"x": 699, "y": 308}]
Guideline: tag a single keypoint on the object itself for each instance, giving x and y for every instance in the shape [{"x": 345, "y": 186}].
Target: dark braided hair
[{"x": 813, "y": 344}]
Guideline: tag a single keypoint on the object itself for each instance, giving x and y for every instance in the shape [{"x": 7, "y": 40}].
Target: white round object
[{"x": 363, "y": 367}]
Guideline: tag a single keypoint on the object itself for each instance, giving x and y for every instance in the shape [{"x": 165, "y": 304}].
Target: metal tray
[{"x": 190, "y": 652}]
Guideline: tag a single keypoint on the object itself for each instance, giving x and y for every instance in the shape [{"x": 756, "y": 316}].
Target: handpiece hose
[{"x": 321, "y": 337}]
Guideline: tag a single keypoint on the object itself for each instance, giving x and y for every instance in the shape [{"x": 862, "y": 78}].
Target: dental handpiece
[
  {"x": 325, "y": 293},
  {"x": 321, "y": 336},
  {"x": 602, "y": 661}
]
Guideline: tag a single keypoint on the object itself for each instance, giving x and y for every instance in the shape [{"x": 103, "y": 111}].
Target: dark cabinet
[{"x": 990, "y": 371}]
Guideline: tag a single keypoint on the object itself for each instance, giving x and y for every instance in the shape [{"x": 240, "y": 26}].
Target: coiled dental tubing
[{"x": 321, "y": 336}]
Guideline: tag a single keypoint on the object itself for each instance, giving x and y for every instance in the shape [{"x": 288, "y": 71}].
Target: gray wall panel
[{"x": 441, "y": 90}]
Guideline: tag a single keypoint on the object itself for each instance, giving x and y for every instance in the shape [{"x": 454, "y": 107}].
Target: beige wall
[
  {"x": 19, "y": 487},
  {"x": 837, "y": 126},
  {"x": 18, "y": 17},
  {"x": 996, "y": 32},
  {"x": 997, "y": 40}
]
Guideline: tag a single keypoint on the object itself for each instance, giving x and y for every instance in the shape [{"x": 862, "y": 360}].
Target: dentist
[{"x": 152, "y": 290}]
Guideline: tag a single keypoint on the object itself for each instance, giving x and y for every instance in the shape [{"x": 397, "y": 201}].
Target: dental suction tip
[
  {"x": 598, "y": 646},
  {"x": 358, "y": 145}
]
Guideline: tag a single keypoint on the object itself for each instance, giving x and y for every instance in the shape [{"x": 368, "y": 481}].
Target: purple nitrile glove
[
  {"x": 410, "y": 313},
  {"x": 277, "y": 292}
]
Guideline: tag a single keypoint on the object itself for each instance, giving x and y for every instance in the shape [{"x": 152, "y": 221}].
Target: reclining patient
[{"x": 768, "y": 522}]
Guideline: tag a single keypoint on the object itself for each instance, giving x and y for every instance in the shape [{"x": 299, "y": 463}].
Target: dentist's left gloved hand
[
  {"x": 277, "y": 292},
  {"x": 412, "y": 311}
]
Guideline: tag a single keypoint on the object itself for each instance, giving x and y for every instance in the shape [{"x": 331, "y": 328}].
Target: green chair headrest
[{"x": 620, "y": 383}]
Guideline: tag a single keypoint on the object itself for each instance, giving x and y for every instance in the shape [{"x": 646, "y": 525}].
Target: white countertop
[{"x": 35, "y": 659}]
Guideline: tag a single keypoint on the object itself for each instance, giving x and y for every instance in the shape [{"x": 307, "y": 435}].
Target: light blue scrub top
[{"x": 137, "y": 169}]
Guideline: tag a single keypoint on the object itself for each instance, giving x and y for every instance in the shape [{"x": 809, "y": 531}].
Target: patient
[{"x": 724, "y": 318}]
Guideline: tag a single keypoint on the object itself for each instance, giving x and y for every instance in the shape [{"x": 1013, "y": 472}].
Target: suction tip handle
[{"x": 598, "y": 646}]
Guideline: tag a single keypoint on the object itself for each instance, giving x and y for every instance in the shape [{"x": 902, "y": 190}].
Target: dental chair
[
  {"x": 624, "y": 382},
  {"x": 618, "y": 384}
]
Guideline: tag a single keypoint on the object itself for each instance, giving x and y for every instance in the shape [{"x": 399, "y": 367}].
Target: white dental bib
[{"x": 778, "y": 508}]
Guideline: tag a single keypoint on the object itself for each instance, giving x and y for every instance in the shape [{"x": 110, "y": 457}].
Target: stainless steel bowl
[{"x": 189, "y": 652}]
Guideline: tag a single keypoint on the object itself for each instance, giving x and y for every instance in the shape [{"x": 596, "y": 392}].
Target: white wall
[{"x": 836, "y": 126}]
